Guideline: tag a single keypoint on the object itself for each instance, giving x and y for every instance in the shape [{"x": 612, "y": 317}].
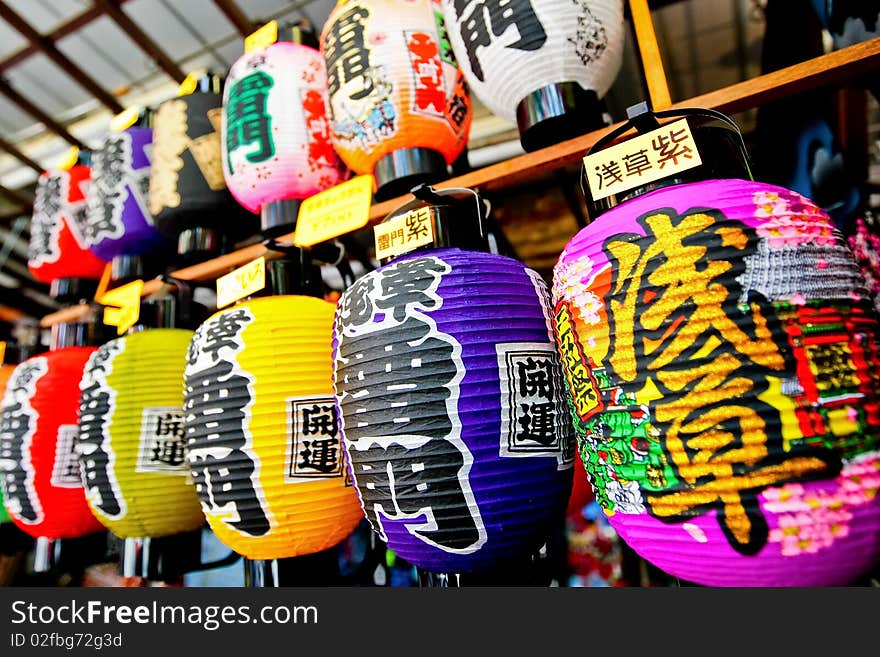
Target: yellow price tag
[
  {"x": 658, "y": 154},
  {"x": 262, "y": 38},
  {"x": 241, "y": 282},
  {"x": 2, "y": 351},
  {"x": 125, "y": 119},
  {"x": 188, "y": 85},
  {"x": 334, "y": 212},
  {"x": 69, "y": 159},
  {"x": 404, "y": 233},
  {"x": 123, "y": 306}
]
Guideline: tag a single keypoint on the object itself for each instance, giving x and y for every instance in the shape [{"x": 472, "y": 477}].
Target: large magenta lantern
[{"x": 720, "y": 351}]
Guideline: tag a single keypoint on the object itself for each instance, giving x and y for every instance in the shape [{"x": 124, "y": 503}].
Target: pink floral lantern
[{"x": 275, "y": 131}]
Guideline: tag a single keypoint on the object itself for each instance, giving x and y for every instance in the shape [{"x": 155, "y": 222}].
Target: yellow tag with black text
[
  {"x": 125, "y": 119},
  {"x": 404, "y": 233},
  {"x": 241, "y": 282},
  {"x": 661, "y": 153},
  {"x": 188, "y": 85},
  {"x": 123, "y": 305},
  {"x": 69, "y": 159},
  {"x": 334, "y": 212},
  {"x": 262, "y": 38}
]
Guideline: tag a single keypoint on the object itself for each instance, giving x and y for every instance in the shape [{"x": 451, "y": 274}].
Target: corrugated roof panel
[
  {"x": 48, "y": 86},
  {"x": 10, "y": 40},
  {"x": 162, "y": 27},
  {"x": 123, "y": 51}
]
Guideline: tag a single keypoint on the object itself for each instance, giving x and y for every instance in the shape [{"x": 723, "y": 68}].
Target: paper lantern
[
  {"x": 262, "y": 432},
  {"x": 58, "y": 247},
  {"x": 41, "y": 484},
  {"x": 453, "y": 409},
  {"x": 131, "y": 440},
  {"x": 187, "y": 186},
  {"x": 119, "y": 220},
  {"x": 399, "y": 104},
  {"x": 721, "y": 356},
  {"x": 545, "y": 64},
  {"x": 276, "y": 145}
]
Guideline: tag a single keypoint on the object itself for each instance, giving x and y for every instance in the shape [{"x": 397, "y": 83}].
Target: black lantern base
[
  {"x": 557, "y": 112},
  {"x": 71, "y": 555},
  {"x": 279, "y": 217},
  {"x": 165, "y": 558},
  {"x": 318, "y": 569},
  {"x": 401, "y": 170}
]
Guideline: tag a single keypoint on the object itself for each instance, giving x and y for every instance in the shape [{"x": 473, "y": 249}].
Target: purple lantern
[
  {"x": 452, "y": 408},
  {"x": 119, "y": 221}
]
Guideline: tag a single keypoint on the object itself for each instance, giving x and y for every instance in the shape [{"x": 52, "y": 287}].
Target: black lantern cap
[
  {"x": 279, "y": 217},
  {"x": 557, "y": 112},
  {"x": 718, "y": 138},
  {"x": 398, "y": 171},
  {"x": 172, "y": 306},
  {"x": 296, "y": 272},
  {"x": 458, "y": 216}
]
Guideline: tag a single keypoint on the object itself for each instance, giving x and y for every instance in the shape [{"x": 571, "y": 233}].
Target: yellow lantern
[
  {"x": 131, "y": 436},
  {"x": 262, "y": 429}
]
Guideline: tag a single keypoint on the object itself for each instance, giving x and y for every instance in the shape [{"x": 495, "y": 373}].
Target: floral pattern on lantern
[
  {"x": 393, "y": 81},
  {"x": 58, "y": 247},
  {"x": 453, "y": 408},
  {"x": 507, "y": 50},
  {"x": 276, "y": 137},
  {"x": 262, "y": 429},
  {"x": 131, "y": 440},
  {"x": 119, "y": 221},
  {"x": 721, "y": 354},
  {"x": 41, "y": 483}
]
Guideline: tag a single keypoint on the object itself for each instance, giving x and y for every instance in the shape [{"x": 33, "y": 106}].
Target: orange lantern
[{"x": 399, "y": 103}]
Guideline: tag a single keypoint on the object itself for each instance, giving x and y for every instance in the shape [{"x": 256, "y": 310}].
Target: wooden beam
[
  {"x": 12, "y": 94},
  {"x": 113, "y": 9},
  {"x": 18, "y": 155},
  {"x": 236, "y": 16},
  {"x": 47, "y": 47}
]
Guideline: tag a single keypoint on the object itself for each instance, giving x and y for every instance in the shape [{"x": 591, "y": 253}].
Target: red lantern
[{"x": 58, "y": 247}]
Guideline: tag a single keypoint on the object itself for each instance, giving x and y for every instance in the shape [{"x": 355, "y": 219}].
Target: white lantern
[{"x": 545, "y": 64}]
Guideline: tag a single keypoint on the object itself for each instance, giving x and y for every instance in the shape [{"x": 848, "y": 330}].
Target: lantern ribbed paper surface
[
  {"x": 131, "y": 440},
  {"x": 58, "y": 246},
  {"x": 41, "y": 483},
  {"x": 276, "y": 136},
  {"x": 187, "y": 185},
  {"x": 393, "y": 81},
  {"x": 119, "y": 220},
  {"x": 508, "y": 50},
  {"x": 453, "y": 408},
  {"x": 262, "y": 432},
  {"x": 722, "y": 358}
]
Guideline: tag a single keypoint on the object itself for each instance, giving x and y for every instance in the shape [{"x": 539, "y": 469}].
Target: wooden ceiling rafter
[
  {"x": 236, "y": 16},
  {"x": 48, "y": 48},
  {"x": 113, "y": 9},
  {"x": 16, "y": 196},
  {"x": 65, "y": 29},
  {"x": 18, "y": 155}
]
